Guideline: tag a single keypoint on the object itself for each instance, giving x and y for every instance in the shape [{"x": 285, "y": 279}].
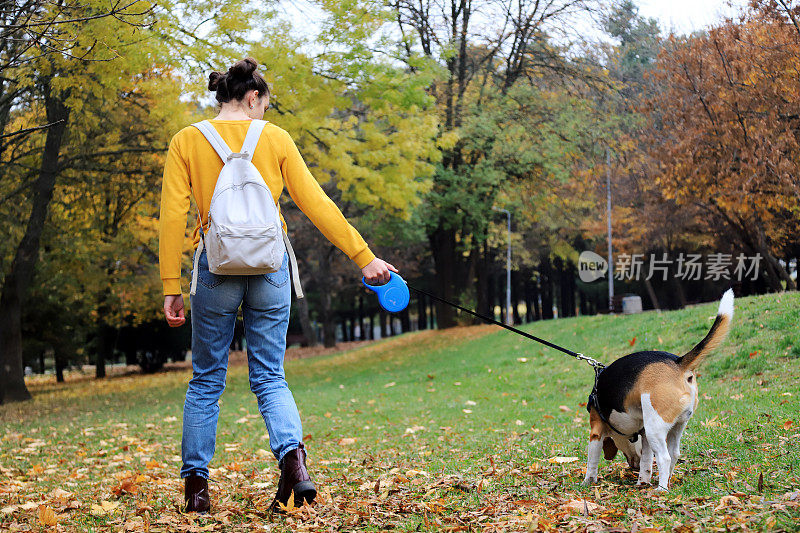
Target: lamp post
[
  {"x": 509, "y": 316},
  {"x": 608, "y": 216}
]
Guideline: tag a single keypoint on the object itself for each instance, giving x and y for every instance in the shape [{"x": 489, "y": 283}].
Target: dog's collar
[{"x": 594, "y": 401}]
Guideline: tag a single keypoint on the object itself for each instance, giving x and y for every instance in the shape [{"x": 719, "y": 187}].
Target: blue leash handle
[{"x": 393, "y": 295}]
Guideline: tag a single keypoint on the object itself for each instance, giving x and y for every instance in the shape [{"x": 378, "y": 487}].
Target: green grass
[{"x": 420, "y": 461}]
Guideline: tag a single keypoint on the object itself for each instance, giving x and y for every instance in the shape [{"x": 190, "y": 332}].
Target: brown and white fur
[{"x": 652, "y": 395}]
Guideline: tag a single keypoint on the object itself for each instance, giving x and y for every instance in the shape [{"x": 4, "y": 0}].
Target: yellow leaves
[
  {"x": 562, "y": 460},
  {"x": 347, "y": 441},
  {"x": 105, "y": 508},
  {"x": 712, "y": 423},
  {"x": 47, "y": 517},
  {"x": 447, "y": 140}
]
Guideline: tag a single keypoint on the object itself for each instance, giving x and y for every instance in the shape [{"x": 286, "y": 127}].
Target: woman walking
[{"x": 191, "y": 169}]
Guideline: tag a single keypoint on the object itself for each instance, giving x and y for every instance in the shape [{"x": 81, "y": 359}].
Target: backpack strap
[
  {"x": 193, "y": 288},
  {"x": 252, "y": 137},
  {"x": 213, "y": 137},
  {"x": 298, "y": 290}
]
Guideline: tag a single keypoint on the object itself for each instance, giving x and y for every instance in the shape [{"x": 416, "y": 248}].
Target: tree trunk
[
  {"x": 482, "y": 281},
  {"x": 584, "y": 305},
  {"x": 678, "y": 290},
  {"x": 352, "y": 327},
  {"x": 537, "y": 309},
  {"x": 422, "y": 315},
  {"x": 443, "y": 247},
  {"x": 59, "y": 363},
  {"x": 385, "y": 333},
  {"x": 305, "y": 322},
  {"x": 405, "y": 321},
  {"x": 515, "y": 298},
  {"x": 362, "y": 327},
  {"x": 17, "y": 281},
  {"x": 491, "y": 292},
  {"x": 546, "y": 276},
  {"x": 326, "y": 306},
  {"x": 565, "y": 307},
  {"x": 652, "y": 294},
  {"x": 775, "y": 272},
  {"x": 528, "y": 296}
]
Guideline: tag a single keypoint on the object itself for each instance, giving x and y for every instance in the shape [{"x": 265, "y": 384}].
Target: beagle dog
[{"x": 642, "y": 402}]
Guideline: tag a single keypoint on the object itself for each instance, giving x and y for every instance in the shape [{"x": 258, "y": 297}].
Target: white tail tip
[{"x": 726, "y": 304}]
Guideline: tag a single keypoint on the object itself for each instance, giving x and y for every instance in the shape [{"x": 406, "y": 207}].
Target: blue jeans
[{"x": 265, "y": 301}]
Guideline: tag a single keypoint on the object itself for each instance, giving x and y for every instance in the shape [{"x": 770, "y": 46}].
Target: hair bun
[
  {"x": 214, "y": 79},
  {"x": 244, "y": 68}
]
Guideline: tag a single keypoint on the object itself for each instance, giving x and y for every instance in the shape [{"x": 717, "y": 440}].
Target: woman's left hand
[{"x": 377, "y": 271}]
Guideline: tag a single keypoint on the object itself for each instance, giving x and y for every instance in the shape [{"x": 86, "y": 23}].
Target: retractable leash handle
[{"x": 393, "y": 295}]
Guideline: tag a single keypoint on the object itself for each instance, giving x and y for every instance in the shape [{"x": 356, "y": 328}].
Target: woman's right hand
[
  {"x": 377, "y": 271},
  {"x": 173, "y": 310}
]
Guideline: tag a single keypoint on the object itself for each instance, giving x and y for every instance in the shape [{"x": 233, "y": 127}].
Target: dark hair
[{"x": 240, "y": 78}]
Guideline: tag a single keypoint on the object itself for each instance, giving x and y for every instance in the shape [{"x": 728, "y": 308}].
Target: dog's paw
[
  {"x": 588, "y": 482},
  {"x": 661, "y": 488},
  {"x": 642, "y": 483}
]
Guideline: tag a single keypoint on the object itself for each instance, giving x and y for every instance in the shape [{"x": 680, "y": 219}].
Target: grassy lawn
[{"x": 471, "y": 429}]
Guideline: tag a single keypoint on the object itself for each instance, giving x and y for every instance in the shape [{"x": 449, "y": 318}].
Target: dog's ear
[{"x": 609, "y": 448}]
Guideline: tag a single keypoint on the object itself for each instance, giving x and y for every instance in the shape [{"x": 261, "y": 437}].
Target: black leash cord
[
  {"x": 596, "y": 365},
  {"x": 576, "y": 355}
]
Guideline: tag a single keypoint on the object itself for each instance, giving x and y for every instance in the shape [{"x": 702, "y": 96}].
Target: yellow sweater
[{"x": 193, "y": 166}]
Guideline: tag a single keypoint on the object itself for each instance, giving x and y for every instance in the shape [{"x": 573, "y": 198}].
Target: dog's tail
[{"x": 719, "y": 330}]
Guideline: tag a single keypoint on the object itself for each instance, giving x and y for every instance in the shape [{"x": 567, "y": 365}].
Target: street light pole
[
  {"x": 608, "y": 216},
  {"x": 509, "y": 316}
]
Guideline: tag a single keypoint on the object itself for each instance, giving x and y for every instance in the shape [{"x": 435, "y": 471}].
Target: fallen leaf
[
  {"x": 632, "y": 341},
  {"x": 47, "y": 516},
  {"x": 60, "y": 494},
  {"x": 788, "y": 424},
  {"x": 345, "y": 441},
  {"x": 561, "y": 460},
  {"x": 727, "y": 501},
  {"x": 565, "y": 408},
  {"x": 580, "y": 506}
]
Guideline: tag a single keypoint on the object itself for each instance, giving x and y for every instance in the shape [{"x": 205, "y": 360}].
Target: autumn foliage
[{"x": 724, "y": 131}]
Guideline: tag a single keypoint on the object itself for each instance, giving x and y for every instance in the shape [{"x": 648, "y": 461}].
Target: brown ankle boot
[
  {"x": 295, "y": 478},
  {"x": 196, "y": 495}
]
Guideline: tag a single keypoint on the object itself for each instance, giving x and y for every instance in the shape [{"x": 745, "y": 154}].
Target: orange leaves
[
  {"x": 47, "y": 517},
  {"x": 128, "y": 483},
  {"x": 719, "y": 132}
]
